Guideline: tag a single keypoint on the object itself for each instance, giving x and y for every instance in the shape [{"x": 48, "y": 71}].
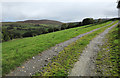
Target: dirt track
[
  {"x": 37, "y": 62},
  {"x": 86, "y": 64}
]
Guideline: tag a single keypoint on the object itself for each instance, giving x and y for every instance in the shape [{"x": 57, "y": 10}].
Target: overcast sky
[{"x": 60, "y": 10}]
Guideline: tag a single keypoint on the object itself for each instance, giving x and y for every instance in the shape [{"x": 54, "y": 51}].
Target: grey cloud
[{"x": 61, "y": 11}]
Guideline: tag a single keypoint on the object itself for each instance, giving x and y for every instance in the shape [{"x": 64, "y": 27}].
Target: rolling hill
[{"x": 42, "y": 22}]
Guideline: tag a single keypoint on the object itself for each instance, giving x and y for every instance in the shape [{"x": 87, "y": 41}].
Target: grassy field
[
  {"x": 15, "y": 30},
  {"x": 62, "y": 63},
  {"x": 108, "y": 60},
  {"x": 16, "y": 52}
]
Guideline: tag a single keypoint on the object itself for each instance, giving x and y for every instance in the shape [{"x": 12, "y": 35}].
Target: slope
[{"x": 16, "y": 52}]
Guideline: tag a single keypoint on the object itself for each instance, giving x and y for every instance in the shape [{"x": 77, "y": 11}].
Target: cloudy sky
[{"x": 60, "y": 10}]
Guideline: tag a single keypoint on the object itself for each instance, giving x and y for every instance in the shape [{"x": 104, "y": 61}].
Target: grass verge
[
  {"x": 108, "y": 60},
  {"x": 64, "y": 61}
]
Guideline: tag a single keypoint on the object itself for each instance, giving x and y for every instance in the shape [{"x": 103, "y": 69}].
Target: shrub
[{"x": 87, "y": 21}]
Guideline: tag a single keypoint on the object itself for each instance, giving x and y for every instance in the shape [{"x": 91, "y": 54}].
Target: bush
[
  {"x": 87, "y": 21},
  {"x": 5, "y": 35},
  {"x": 30, "y": 34},
  {"x": 10, "y": 28},
  {"x": 64, "y": 26}
]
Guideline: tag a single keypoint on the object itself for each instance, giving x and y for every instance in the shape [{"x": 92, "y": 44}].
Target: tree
[
  {"x": 77, "y": 24},
  {"x": 17, "y": 35},
  {"x": 5, "y": 35},
  {"x": 10, "y": 28},
  {"x": 87, "y": 21},
  {"x": 30, "y": 34},
  {"x": 71, "y": 25},
  {"x": 64, "y": 26},
  {"x": 27, "y": 34}
]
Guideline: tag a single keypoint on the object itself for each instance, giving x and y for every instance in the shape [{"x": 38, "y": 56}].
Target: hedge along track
[{"x": 34, "y": 65}]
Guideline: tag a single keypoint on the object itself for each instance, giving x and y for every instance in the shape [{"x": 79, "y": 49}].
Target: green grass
[
  {"x": 64, "y": 61},
  {"x": 16, "y": 52},
  {"x": 108, "y": 60}
]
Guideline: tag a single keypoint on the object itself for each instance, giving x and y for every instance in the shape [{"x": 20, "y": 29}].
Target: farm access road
[{"x": 33, "y": 65}]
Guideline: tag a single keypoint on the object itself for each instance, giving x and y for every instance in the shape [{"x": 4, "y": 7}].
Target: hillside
[
  {"x": 13, "y": 30},
  {"x": 42, "y": 22},
  {"x": 20, "y": 50},
  {"x": 30, "y": 28}
]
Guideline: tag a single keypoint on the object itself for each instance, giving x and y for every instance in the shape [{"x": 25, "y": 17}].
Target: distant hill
[{"x": 41, "y": 22}]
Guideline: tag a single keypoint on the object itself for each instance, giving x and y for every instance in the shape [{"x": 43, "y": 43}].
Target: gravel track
[
  {"x": 86, "y": 64},
  {"x": 33, "y": 65}
]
